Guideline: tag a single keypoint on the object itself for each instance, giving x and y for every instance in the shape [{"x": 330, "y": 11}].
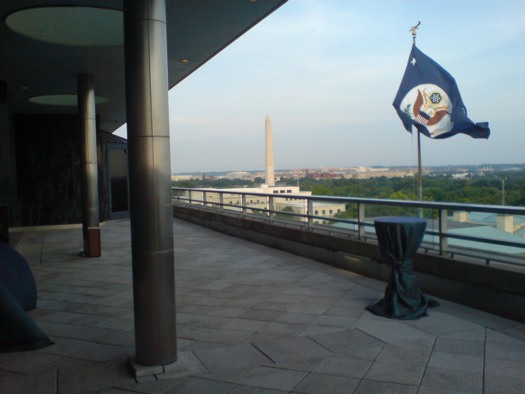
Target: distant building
[{"x": 284, "y": 200}]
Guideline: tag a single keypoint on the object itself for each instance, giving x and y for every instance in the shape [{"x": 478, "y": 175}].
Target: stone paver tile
[
  {"x": 65, "y": 346},
  {"x": 318, "y": 299},
  {"x": 209, "y": 321},
  {"x": 260, "y": 314},
  {"x": 231, "y": 357},
  {"x": 242, "y": 389},
  {"x": 98, "y": 310},
  {"x": 339, "y": 366},
  {"x": 102, "y": 352},
  {"x": 334, "y": 321},
  {"x": 43, "y": 382},
  {"x": 228, "y": 311},
  {"x": 346, "y": 311},
  {"x": 396, "y": 372},
  {"x": 394, "y": 332},
  {"x": 245, "y": 325},
  {"x": 460, "y": 346},
  {"x": 228, "y": 375},
  {"x": 93, "y": 376},
  {"x": 121, "y": 324},
  {"x": 447, "y": 380},
  {"x": 303, "y": 307},
  {"x": 116, "y": 338},
  {"x": 213, "y": 335},
  {"x": 284, "y": 329},
  {"x": 443, "y": 390},
  {"x": 296, "y": 353},
  {"x": 369, "y": 387},
  {"x": 275, "y": 306},
  {"x": 506, "y": 351},
  {"x": 516, "y": 330},
  {"x": 318, "y": 383},
  {"x": 29, "y": 362},
  {"x": 495, "y": 384},
  {"x": 292, "y": 349},
  {"x": 60, "y": 317},
  {"x": 497, "y": 336},
  {"x": 314, "y": 330},
  {"x": 295, "y": 318},
  {"x": 477, "y": 334},
  {"x": 274, "y": 378},
  {"x": 406, "y": 355},
  {"x": 439, "y": 323},
  {"x": 502, "y": 367},
  {"x": 193, "y": 309},
  {"x": 460, "y": 362},
  {"x": 287, "y": 298},
  {"x": 350, "y": 342},
  {"x": 477, "y": 316}
]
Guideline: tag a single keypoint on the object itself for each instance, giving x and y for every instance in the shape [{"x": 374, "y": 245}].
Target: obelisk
[{"x": 270, "y": 176}]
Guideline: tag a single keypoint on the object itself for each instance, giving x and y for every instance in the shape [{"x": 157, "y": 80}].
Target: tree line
[{"x": 496, "y": 188}]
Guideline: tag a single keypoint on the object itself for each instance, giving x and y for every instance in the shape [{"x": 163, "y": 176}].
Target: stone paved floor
[{"x": 250, "y": 319}]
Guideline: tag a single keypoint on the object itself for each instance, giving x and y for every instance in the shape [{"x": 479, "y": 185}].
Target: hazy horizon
[{"x": 262, "y": 170}]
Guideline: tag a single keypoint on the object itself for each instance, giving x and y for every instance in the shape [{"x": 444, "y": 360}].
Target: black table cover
[
  {"x": 16, "y": 276},
  {"x": 399, "y": 238}
]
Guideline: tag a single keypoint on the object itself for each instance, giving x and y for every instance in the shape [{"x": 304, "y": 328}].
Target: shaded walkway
[{"x": 249, "y": 319}]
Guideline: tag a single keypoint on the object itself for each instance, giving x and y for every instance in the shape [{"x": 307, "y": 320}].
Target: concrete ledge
[{"x": 489, "y": 288}]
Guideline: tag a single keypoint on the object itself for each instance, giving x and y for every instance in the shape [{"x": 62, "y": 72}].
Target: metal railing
[{"x": 453, "y": 229}]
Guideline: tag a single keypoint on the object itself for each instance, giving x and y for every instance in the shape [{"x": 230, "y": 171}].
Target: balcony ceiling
[{"x": 34, "y": 68}]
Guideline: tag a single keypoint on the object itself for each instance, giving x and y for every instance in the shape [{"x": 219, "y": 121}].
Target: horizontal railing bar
[
  {"x": 375, "y": 201},
  {"x": 260, "y": 210}
]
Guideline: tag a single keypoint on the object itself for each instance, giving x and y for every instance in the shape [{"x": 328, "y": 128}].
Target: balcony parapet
[{"x": 458, "y": 275}]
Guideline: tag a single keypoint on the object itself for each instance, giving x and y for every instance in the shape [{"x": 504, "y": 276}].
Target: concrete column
[
  {"x": 90, "y": 204},
  {"x": 150, "y": 182}
]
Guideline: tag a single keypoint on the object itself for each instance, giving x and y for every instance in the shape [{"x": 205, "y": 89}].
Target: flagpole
[
  {"x": 419, "y": 170},
  {"x": 413, "y": 30}
]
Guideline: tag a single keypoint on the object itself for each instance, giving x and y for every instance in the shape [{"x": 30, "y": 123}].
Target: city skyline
[{"x": 327, "y": 73}]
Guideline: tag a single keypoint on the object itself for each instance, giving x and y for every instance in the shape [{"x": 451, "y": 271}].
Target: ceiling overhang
[{"x": 43, "y": 62}]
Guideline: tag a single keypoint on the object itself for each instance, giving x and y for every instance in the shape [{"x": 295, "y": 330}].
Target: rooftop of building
[{"x": 249, "y": 319}]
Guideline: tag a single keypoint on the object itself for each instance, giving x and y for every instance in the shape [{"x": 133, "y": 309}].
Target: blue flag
[{"x": 429, "y": 99}]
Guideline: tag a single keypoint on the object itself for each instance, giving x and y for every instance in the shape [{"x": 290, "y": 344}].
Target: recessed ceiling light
[
  {"x": 64, "y": 25},
  {"x": 183, "y": 60}
]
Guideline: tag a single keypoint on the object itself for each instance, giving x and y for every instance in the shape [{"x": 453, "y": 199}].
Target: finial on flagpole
[{"x": 413, "y": 29}]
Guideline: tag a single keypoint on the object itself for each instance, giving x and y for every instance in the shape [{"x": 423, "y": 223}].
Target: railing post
[
  {"x": 443, "y": 228},
  {"x": 190, "y": 197},
  {"x": 310, "y": 213},
  {"x": 243, "y": 203},
  {"x": 271, "y": 207},
  {"x": 204, "y": 198},
  {"x": 221, "y": 200},
  {"x": 361, "y": 229}
]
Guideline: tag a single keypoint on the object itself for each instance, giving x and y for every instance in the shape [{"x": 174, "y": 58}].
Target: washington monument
[{"x": 270, "y": 176}]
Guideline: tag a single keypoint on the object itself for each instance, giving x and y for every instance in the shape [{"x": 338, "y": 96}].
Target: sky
[{"x": 326, "y": 72}]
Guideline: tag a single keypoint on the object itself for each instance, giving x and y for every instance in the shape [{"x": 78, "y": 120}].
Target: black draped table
[{"x": 399, "y": 238}]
